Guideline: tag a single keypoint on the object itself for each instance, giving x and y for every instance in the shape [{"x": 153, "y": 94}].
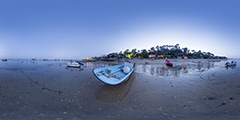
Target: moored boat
[
  {"x": 114, "y": 75},
  {"x": 230, "y": 63},
  {"x": 4, "y": 60},
  {"x": 74, "y": 64},
  {"x": 168, "y": 63}
]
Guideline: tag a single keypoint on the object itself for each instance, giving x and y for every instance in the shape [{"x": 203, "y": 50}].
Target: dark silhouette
[{"x": 165, "y": 51}]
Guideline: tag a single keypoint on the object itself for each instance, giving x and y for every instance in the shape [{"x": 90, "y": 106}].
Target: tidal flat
[{"x": 189, "y": 90}]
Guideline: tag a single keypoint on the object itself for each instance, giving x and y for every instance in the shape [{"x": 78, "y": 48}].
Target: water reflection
[
  {"x": 100, "y": 64},
  {"x": 112, "y": 94},
  {"x": 230, "y": 67},
  {"x": 177, "y": 70}
]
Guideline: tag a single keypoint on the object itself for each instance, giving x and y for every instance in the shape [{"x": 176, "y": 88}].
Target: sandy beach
[{"x": 190, "y": 90}]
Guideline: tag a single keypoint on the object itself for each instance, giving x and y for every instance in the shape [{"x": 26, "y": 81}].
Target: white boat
[
  {"x": 74, "y": 64},
  {"x": 230, "y": 63}
]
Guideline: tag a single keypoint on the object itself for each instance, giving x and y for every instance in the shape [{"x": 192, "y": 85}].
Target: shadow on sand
[
  {"x": 74, "y": 69},
  {"x": 113, "y": 94}
]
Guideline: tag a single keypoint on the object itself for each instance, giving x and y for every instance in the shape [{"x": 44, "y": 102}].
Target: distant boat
[
  {"x": 168, "y": 63},
  {"x": 4, "y": 60},
  {"x": 114, "y": 75},
  {"x": 230, "y": 63},
  {"x": 74, "y": 64}
]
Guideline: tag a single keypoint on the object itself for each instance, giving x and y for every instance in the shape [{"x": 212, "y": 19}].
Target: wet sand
[{"x": 48, "y": 90}]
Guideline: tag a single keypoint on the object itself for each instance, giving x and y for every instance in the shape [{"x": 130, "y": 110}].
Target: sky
[{"x": 78, "y": 29}]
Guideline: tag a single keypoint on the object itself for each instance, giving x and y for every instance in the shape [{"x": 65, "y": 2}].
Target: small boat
[
  {"x": 168, "y": 63},
  {"x": 4, "y": 60},
  {"x": 74, "y": 64},
  {"x": 230, "y": 63},
  {"x": 114, "y": 75}
]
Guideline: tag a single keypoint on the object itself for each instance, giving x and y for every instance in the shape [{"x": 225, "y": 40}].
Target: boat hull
[
  {"x": 4, "y": 60},
  {"x": 169, "y": 64},
  {"x": 230, "y": 65},
  {"x": 73, "y": 64},
  {"x": 115, "y": 76}
]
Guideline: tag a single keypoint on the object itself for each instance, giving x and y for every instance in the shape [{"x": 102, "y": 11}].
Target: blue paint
[{"x": 116, "y": 76}]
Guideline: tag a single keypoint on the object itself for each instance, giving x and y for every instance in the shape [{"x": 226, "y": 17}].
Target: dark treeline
[{"x": 165, "y": 51}]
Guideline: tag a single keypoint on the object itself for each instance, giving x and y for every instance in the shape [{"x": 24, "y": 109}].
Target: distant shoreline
[{"x": 154, "y": 61}]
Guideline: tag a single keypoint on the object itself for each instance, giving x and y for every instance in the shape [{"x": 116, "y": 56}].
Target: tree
[
  {"x": 134, "y": 51},
  {"x": 193, "y": 51},
  {"x": 144, "y": 53},
  {"x": 185, "y": 50},
  {"x": 177, "y": 46},
  {"x": 173, "y": 50},
  {"x": 152, "y": 50},
  {"x": 126, "y": 51},
  {"x": 157, "y": 48},
  {"x": 120, "y": 54}
]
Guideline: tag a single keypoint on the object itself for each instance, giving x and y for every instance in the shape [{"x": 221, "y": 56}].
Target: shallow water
[
  {"x": 179, "y": 69},
  {"x": 50, "y": 90}
]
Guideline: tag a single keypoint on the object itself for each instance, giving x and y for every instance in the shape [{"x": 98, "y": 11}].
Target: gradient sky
[{"x": 80, "y": 29}]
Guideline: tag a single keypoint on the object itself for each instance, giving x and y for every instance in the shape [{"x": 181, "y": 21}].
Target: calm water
[{"x": 50, "y": 90}]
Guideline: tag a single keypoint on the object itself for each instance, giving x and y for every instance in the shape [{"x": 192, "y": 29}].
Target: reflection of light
[
  {"x": 89, "y": 64},
  {"x": 185, "y": 66},
  {"x": 177, "y": 71},
  {"x": 89, "y": 58}
]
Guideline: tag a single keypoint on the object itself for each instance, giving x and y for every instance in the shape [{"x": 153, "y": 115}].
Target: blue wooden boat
[{"x": 114, "y": 75}]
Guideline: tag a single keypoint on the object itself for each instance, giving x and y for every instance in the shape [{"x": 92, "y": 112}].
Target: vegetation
[{"x": 165, "y": 51}]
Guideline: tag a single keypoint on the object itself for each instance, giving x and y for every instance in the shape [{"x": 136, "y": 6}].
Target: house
[
  {"x": 182, "y": 57},
  {"x": 164, "y": 56},
  {"x": 185, "y": 57},
  {"x": 151, "y": 56},
  {"x": 160, "y": 56},
  {"x": 167, "y": 56}
]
